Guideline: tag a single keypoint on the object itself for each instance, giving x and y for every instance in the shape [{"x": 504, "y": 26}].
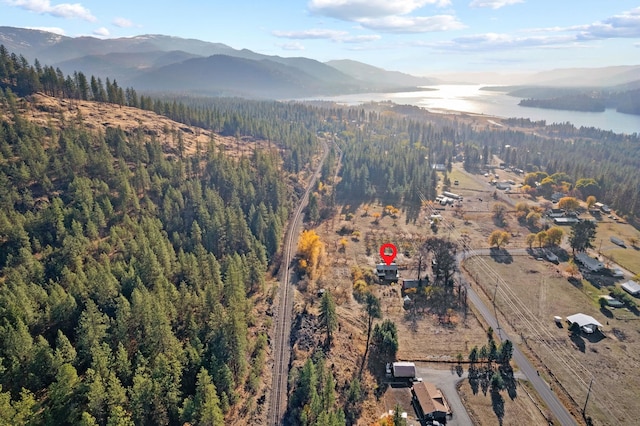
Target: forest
[
  {"x": 131, "y": 278},
  {"x": 622, "y": 98}
]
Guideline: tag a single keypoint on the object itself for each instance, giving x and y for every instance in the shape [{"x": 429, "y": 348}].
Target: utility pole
[
  {"x": 584, "y": 409},
  {"x": 495, "y": 312}
]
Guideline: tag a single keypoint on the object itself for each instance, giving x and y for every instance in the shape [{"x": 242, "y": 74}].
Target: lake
[{"x": 450, "y": 98}]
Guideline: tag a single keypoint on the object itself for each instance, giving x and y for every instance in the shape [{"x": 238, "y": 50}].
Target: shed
[
  {"x": 429, "y": 402},
  {"x": 631, "y": 287},
  {"x": 565, "y": 220},
  {"x": 404, "y": 369},
  {"x": 617, "y": 241},
  {"x": 587, "y": 323},
  {"x": 614, "y": 303}
]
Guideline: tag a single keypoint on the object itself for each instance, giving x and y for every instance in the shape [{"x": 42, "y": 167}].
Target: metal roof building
[
  {"x": 587, "y": 323},
  {"x": 631, "y": 287}
]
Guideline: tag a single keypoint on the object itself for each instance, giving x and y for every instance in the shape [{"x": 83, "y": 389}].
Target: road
[{"x": 281, "y": 339}]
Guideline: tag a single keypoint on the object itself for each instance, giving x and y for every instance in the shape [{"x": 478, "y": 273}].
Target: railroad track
[{"x": 281, "y": 349}]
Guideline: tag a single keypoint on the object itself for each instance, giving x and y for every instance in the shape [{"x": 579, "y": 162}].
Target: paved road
[{"x": 543, "y": 389}]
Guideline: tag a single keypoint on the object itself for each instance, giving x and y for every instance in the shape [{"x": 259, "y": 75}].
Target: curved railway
[{"x": 281, "y": 350}]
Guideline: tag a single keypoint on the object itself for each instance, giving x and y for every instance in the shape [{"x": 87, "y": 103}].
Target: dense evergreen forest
[
  {"x": 625, "y": 100},
  {"x": 130, "y": 279}
]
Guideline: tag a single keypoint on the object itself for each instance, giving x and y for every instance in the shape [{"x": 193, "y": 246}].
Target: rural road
[{"x": 282, "y": 328}]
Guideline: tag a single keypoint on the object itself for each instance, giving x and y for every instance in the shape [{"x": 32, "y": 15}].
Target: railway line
[{"x": 281, "y": 342}]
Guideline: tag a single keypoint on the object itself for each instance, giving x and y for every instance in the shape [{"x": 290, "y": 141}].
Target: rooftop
[{"x": 430, "y": 398}]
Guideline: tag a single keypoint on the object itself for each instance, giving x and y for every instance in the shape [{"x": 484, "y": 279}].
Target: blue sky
[{"x": 421, "y": 37}]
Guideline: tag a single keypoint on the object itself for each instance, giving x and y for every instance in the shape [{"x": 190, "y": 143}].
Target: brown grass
[
  {"x": 542, "y": 292},
  {"x": 51, "y": 112},
  {"x": 524, "y": 409}
]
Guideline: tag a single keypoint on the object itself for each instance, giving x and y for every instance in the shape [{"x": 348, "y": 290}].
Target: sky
[{"x": 421, "y": 37}]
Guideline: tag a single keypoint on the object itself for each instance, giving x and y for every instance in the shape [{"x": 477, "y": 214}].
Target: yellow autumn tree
[{"x": 310, "y": 253}]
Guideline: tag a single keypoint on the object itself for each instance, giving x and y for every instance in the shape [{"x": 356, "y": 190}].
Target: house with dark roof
[{"x": 387, "y": 272}]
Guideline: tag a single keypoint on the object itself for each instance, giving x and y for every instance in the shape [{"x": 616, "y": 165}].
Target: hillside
[
  {"x": 133, "y": 260},
  {"x": 54, "y": 112}
]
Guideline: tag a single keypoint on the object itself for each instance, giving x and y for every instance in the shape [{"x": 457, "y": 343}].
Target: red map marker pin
[{"x": 388, "y": 258}]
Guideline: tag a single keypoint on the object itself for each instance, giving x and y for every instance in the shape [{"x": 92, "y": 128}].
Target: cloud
[
  {"x": 292, "y": 46},
  {"x": 354, "y": 10},
  {"x": 122, "y": 23},
  {"x": 625, "y": 25},
  {"x": 62, "y": 10},
  {"x": 54, "y": 30},
  {"x": 413, "y": 24},
  {"x": 387, "y": 16},
  {"x": 494, "y": 4},
  {"x": 102, "y": 32},
  {"x": 494, "y": 41},
  {"x": 324, "y": 34}
]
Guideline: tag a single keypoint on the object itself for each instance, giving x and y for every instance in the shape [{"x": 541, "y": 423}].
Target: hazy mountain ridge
[
  {"x": 378, "y": 78},
  {"x": 162, "y": 63},
  {"x": 231, "y": 76},
  {"x": 155, "y": 62}
]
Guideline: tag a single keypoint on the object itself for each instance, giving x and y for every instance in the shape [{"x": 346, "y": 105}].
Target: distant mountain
[
  {"x": 123, "y": 67},
  {"x": 586, "y": 77},
  {"x": 50, "y": 48},
  {"x": 223, "y": 75},
  {"x": 378, "y": 78},
  {"x": 164, "y": 63}
]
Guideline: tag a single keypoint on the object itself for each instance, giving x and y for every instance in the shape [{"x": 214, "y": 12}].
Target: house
[
  {"x": 593, "y": 265},
  {"x": 504, "y": 186},
  {"x": 565, "y": 220},
  {"x": 631, "y": 287},
  {"x": 556, "y": 196},
  {"x": 429, "y": 403},
  {"x": 587, "y": 323},
  {"x": 387, "y": 272},
  {"x": 439, "y": 167}
]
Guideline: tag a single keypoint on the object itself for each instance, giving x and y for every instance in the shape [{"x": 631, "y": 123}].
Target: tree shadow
[
  {"x": 563, "y": 255},
  {"x": 474, "y": 380},
  {"x": 509, "y": 381},
  {"x": 606, "y": 312},
  {"x": 576, "y": 282},
  {"x": 500, "y": 255},
  {"x": 594, "y": 337},
  {"x": 579, "y": 342},
  {"x": 497, "y": 402}
]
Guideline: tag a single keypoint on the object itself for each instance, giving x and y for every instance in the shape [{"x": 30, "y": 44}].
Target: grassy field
[
  {"x": 481, "y": 411},
  {"x": 530, "y": 293}
]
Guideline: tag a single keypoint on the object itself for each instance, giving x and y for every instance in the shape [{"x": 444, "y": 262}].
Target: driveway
[{"x": 446, "y": 381}]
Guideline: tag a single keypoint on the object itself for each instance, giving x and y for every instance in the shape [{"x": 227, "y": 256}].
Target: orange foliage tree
[{"x": 310, "y": 252}]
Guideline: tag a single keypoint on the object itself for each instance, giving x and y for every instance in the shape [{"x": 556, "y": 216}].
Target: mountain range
[{"x": 161, "y": 63}]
